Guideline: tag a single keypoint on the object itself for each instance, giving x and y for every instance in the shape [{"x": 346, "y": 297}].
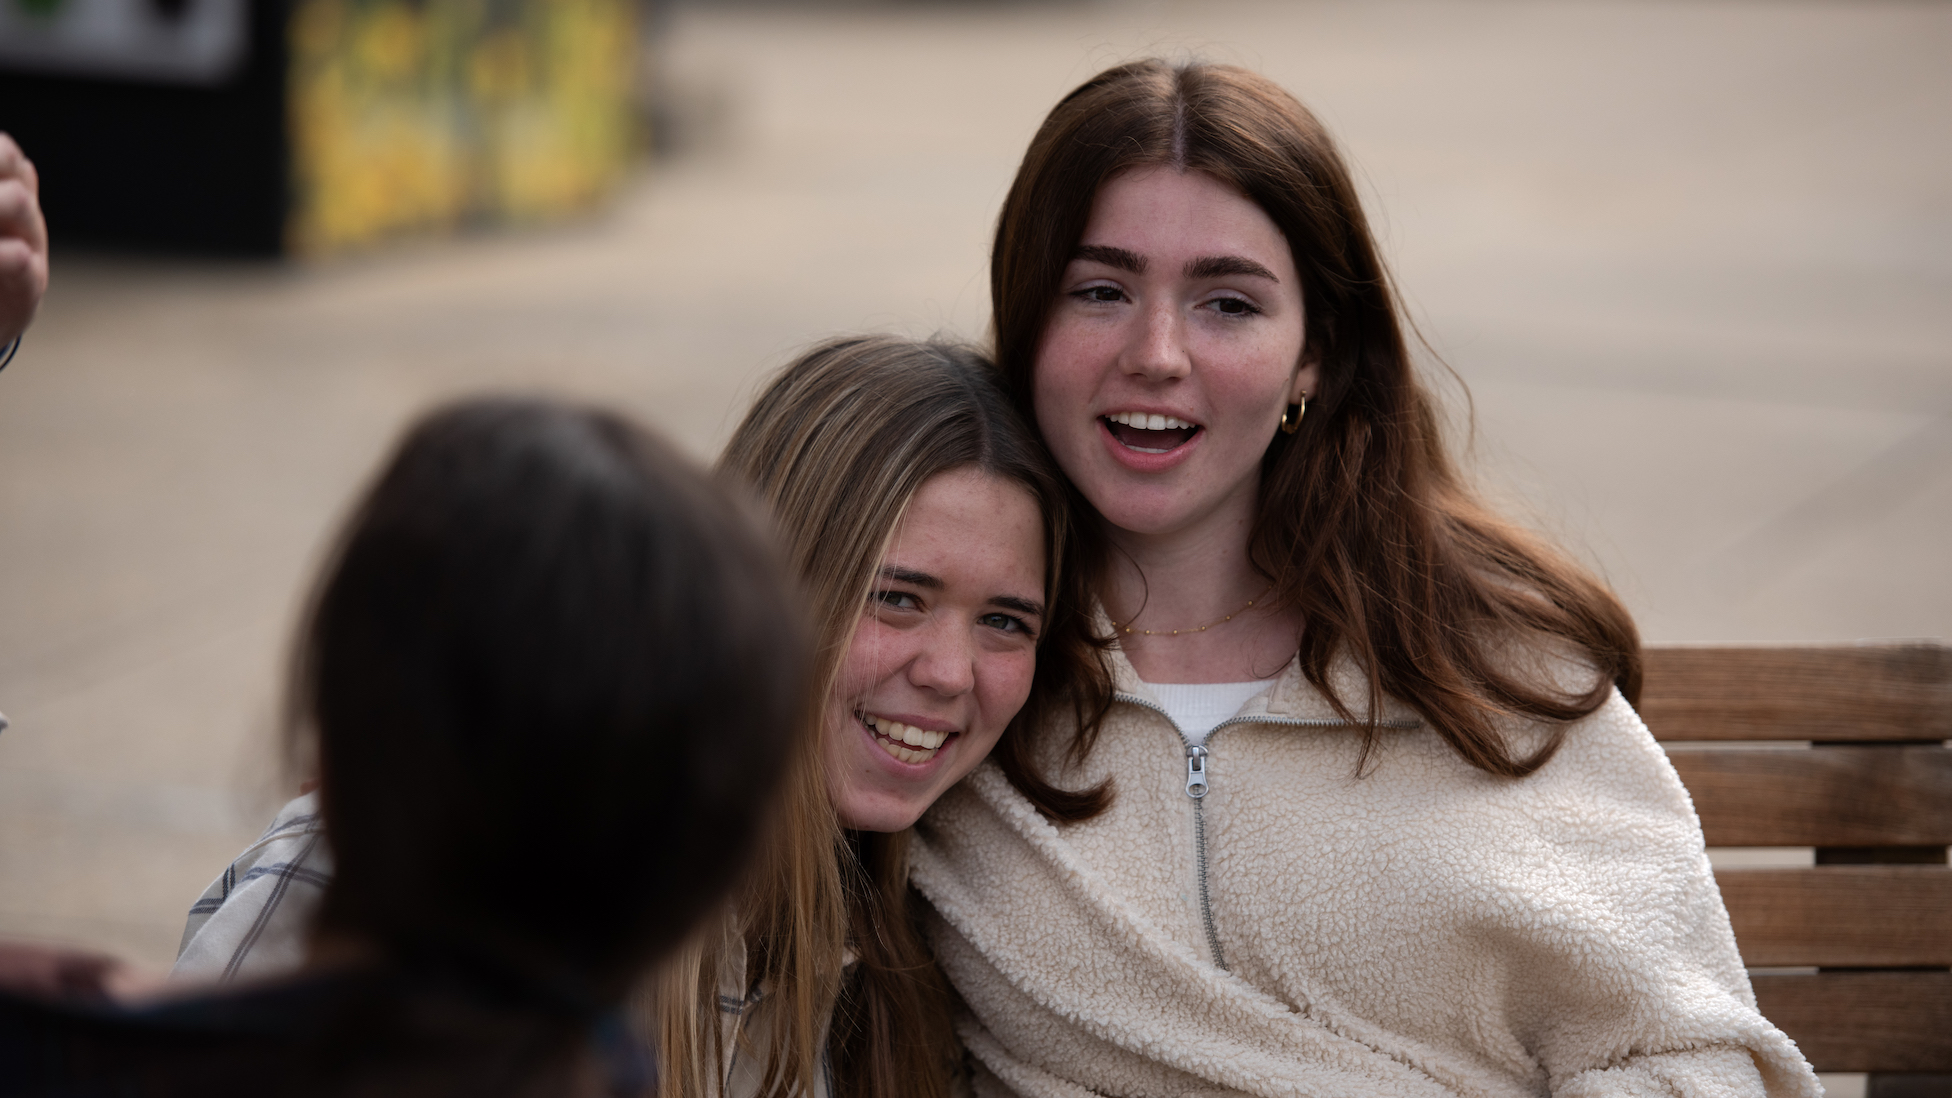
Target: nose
[
  {"x": 1157, "y": 350},
  {"x": 946, "y": 664}
]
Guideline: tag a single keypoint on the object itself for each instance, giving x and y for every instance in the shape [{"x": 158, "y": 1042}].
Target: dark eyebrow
[
  {"x": 923, "y": 579},
  {"x": 911, "y": 577},
  {"x": 1021, "y": 606},
  {"x": 1111, "y": 257},
  {"x": 1216, "y": 266}
]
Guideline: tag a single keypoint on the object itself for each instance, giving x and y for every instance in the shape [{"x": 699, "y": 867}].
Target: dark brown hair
[
  {"x": 835, "y": 447},
  {"x": 547, "y": 649},
  {"x": 1364, "y": 523}
]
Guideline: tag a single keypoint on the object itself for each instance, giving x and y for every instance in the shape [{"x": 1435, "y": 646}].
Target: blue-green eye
[
  {"x": 1008, "y": 623},
  {"x": 897, "y": 600}
]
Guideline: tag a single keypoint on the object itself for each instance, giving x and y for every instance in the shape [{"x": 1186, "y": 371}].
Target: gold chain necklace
[{"x": 1127, "y": 627}]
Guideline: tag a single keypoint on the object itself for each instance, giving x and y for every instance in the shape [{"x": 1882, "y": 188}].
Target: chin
[
  {"x": 885, "y": 819},
  {"x": 1145, "y": 521},
  {"x": 883, "y": 825}
]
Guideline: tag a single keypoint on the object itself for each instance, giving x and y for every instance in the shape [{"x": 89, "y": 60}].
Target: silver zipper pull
[{"x": 1195, "y": 771}]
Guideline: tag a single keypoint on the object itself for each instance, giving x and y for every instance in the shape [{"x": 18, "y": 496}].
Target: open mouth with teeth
[
  {"x": 1150, "y": 434},
  {"x": 904, "y": 741}
]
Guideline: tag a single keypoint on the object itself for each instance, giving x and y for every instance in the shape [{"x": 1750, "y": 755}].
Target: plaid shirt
[{"x": 255, "y": 919}]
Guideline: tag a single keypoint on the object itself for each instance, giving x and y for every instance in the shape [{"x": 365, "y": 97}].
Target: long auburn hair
[
  {"x": 1364, "y": 523},
  {"x": 836, "y": 447}
]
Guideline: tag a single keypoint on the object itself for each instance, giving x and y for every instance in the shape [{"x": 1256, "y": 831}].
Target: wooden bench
[{"x": 1842, "y": 749}]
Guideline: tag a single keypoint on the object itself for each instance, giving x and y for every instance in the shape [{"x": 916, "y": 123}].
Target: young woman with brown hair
[
  {"x": 926, "y": 526},
  {"x": 1375, "y": 815}
]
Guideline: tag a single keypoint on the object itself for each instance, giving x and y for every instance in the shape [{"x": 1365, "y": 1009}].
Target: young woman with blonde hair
[
  {"x": 927, "y": 527},
  {"x": 1376, "y": 815}
]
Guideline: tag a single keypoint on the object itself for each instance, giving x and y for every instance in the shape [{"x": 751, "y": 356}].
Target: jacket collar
[{"x": 1291, "y": 697}]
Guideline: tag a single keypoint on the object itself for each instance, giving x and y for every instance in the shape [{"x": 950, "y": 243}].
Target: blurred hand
[
  {"x": 55, "y": 972},
  {"x": 44, "y": 971},
  {"x": 23, "y": 241}
]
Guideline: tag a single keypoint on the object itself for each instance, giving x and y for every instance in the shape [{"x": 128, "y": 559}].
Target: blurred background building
[
  {"x": 1690, "y": 262},
  {"x": 313, "y": 126}
]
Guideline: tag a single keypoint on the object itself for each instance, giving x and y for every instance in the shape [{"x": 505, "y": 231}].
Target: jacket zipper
[{"x": 1197, "y": 788}]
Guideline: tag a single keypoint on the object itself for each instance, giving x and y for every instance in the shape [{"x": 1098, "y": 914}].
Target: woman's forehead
[{"x": 1160, "y": 213}]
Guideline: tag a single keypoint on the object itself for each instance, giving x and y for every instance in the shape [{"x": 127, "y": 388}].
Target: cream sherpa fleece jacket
[{"x": 1425, "y": 929}]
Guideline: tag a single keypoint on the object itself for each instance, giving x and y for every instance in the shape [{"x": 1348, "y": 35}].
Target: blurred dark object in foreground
[
  {"x": 164, "y": 161},
  {"x": 261, "y": 127},
  {"x": 354, "y": 1031}
]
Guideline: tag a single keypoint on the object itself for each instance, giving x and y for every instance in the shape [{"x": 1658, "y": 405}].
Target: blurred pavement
[{"x": 1693, "y": 260}]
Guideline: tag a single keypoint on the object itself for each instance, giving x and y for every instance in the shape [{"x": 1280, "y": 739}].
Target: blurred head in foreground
[{"x": 553, "y": 674}]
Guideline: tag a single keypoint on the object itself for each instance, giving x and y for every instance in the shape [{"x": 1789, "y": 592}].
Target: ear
[{"x": 1307, "y": 379}]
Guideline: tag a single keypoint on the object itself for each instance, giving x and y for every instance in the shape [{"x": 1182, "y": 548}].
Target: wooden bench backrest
[{"x": 1868, "y": 783}]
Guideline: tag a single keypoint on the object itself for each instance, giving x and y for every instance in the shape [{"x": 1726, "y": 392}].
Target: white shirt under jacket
[{"x": 1426, "y": 929}]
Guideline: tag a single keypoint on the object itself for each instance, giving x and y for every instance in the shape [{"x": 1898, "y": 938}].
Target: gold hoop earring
[{"x": 1291, "y": 416}]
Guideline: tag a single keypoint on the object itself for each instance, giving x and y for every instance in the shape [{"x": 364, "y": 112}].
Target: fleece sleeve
[
  {"x": 1648, "y": 995},
  {"x": 1697, "y": 1073}
]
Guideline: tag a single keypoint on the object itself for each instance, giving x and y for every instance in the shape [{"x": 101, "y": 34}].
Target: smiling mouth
[
  {"x": 1150, "y": 434},
  {"x": 905, "y": 742}
]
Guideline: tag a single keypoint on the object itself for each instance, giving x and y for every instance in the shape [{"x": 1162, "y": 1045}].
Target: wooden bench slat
[
  {"x": 1852, "y": 692},
  {"x": 1884, "y": 798},
  {"x": 1843, "y": 916},
  {"x": 1864, "y": 1021},
  {"x": 1826, "y": 796}
]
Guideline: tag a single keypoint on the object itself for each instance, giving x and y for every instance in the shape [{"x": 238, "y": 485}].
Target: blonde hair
[{"x": 835, "y": 448}]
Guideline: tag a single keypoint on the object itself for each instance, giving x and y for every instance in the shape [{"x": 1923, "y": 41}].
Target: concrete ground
[{"x": 1692, "y": 259}]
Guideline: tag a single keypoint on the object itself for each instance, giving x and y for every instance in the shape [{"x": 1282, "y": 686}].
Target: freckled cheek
[
  {"x": 1006, "y": 686},
  {"x": 1260, "y": 348},
  {"x": 873, "y": 655},
  {"x": 1061, "y": 418},
  {"x": 1071, "y": 360},
  {"x": 1058, "y": 386},
  {"x": 1252, "y": 386}
]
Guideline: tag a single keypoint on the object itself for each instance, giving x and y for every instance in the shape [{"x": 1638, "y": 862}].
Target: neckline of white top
[{"x": 1197, "y": 707}]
